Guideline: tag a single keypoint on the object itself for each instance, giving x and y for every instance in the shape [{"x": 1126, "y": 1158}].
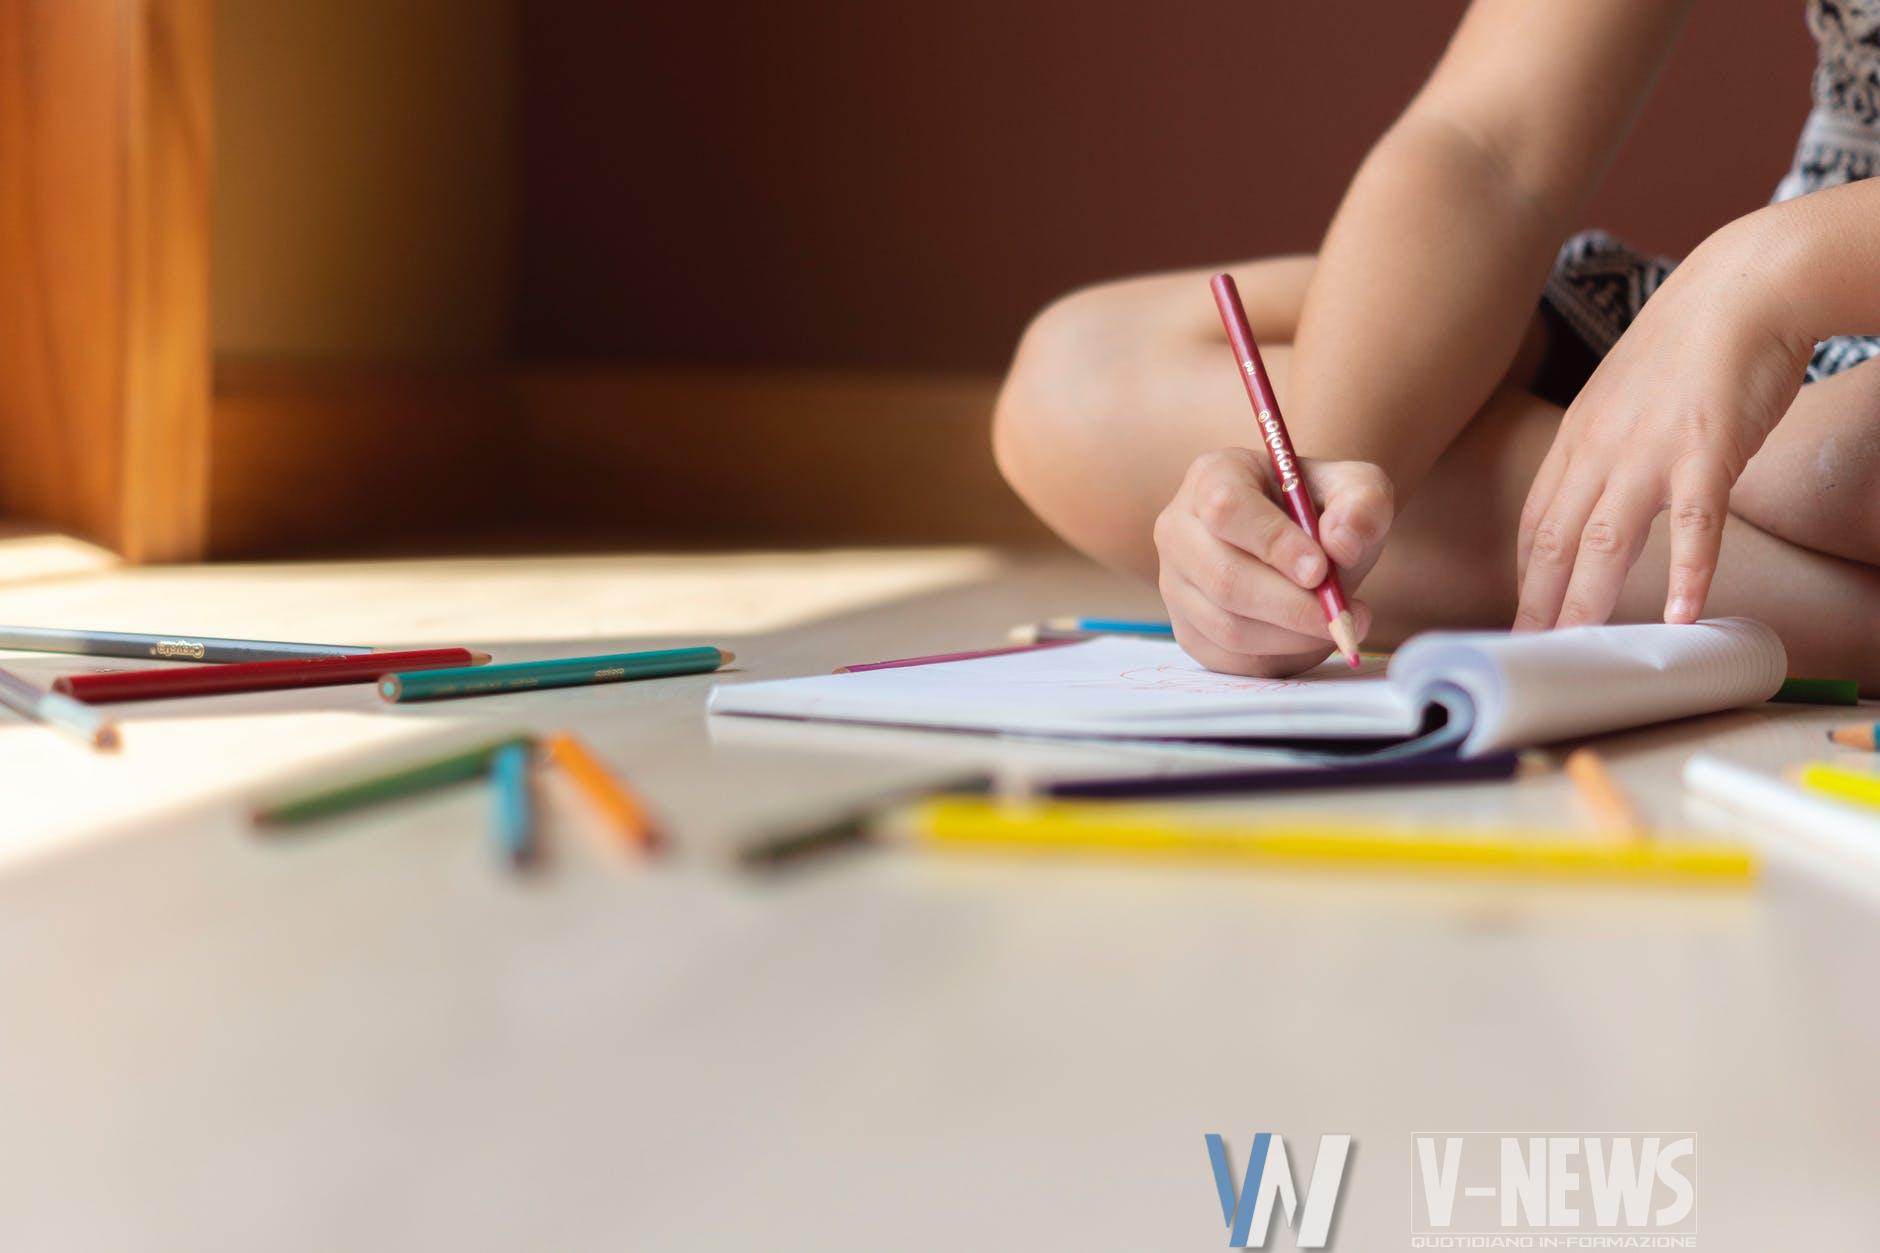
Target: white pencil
[
  {"x": 60, "y": 712},
  {"x": 1774, "y": 806}
]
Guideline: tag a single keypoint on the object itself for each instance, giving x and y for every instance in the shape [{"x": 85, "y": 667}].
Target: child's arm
[
  {"x": 1675, "y": 411},
  {"x": 1431, "y": 269},
  {"x": 1426, "y": 282}
]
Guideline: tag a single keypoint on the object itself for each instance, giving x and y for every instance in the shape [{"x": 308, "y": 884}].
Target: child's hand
[
  {"x": 1668, "y": 421},
  {"x": 1238, "y": 573}
]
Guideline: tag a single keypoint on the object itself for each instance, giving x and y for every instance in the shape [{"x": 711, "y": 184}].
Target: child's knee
[{"x": 1057, "y": 389}]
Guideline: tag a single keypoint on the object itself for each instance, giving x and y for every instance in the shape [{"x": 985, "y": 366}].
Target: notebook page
[
  {"x": 1538, "y": 687},
  {"x": 1111, "y": 687}
]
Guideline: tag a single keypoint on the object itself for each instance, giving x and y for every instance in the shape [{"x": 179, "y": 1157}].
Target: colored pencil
[
  {"x": 1818, "y": 692},
  {"x": 1292, "y": 485},
  {"x": 1112, "y": 626},
  {"x": 512, "y": 804},
  {"x": 1612, "y": 808},
  {"x": 1100, "y": 827},
  {"x": 61, "y": 713},
  {"x": 1289, "y": 779},
  {"x": 1861, "y": 736},
  {"x": 165, "y": 647},
  {"x": 1862, "y": 787},
  {"x": 606, "y": 791},
  {"x": 358, "y": 788},
  {"x": 1031, "y": 634},
  {"x": 1772, "y": 807},
  {"x": 255, "y": 676},
  {"x": 560, "y": 672},
  {"x": 937, "y": 658},
  {"x": 792, "y": 844}
]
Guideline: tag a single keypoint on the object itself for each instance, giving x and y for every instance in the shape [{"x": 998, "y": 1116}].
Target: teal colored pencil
[
  {"x": 566, "y": 672},
  {"x": 512, "y": 817}
]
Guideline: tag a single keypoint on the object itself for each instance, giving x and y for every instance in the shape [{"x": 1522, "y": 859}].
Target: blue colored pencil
[
  {"x": 1112, "y": 626},
  {"x": 561, "y": 672},
  {"x": 512, "y": 817},
  {"x": 167, "y": 647},
  {"x": 1066, "y": 629}
]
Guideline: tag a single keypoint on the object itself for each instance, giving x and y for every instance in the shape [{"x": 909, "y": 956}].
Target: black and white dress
[{"x": 1599, "y": 284}]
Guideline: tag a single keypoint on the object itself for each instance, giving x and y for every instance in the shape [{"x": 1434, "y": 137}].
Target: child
[{"x": 1478, "y": 461}]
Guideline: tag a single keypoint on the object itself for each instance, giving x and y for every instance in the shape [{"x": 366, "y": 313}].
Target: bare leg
[
  {"x": 1117, "y": 389},
  {"x": 1816, "y": 481}
]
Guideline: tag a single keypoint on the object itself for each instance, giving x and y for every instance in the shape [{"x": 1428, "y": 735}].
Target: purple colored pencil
[
  {"x": 1353, "y": 774},
  {"x": 940, "y": 657}
]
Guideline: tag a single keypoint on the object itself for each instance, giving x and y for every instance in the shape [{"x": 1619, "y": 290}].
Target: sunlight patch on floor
[
  {"x": 507, "y": 599},
  {"x": 27, "y": 556},
  {"x": 172, "y": 763}
]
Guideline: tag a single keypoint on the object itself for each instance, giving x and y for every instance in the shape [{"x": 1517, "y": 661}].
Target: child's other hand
[
  {"x": 1667, "y": 422},
  {"x": 1238, "y": 573}
]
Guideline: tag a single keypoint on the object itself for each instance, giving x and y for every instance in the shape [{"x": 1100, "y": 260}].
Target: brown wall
[
  {"x": 364, "y": 188},
  {"x": 853, "y": 183}
]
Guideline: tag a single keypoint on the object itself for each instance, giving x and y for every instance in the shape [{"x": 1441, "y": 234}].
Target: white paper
[
  {"x": 1501, "y": 690},
  {"x": 1542, "y": 686},
  {"x": 1110, "y": 687}
]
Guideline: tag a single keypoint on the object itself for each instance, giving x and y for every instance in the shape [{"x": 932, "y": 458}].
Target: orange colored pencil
[
  {"x": 605, "y": 791},
  {"x": 1612, "y": 809},
  {"x": 1862, "y": 736}
]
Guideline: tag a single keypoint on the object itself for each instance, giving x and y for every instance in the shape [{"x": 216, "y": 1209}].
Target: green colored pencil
[
  {"x": 383, "y": 783},
  {"x": 1818, "y": 692},
  {"x": 563, "y": 672}
]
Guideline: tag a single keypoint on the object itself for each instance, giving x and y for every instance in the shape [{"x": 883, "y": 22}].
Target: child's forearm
[
  {"x": 1423, "y": 291},
  {"x": 1819, "y": 259}
]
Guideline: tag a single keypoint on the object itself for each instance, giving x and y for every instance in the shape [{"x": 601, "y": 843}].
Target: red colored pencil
[
  {"x": 1292, "y": 484},
  {"x": 256, "y": 676},
  {"x": 969, "y": 656}
]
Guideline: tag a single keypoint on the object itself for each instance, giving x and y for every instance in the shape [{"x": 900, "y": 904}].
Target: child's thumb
[{"x": 1355, "y": 510}]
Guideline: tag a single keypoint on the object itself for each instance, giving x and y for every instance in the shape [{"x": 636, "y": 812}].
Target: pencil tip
[
  {"x": 726, "y": 656},
  {"x": 478, "y": 657},
  {"x": 1345, "y": 635}
]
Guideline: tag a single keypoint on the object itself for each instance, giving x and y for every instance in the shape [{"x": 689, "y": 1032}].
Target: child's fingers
[
  {"x": 1540, "y": 495},
  {"x": 1200, "y": 625},
  {"x": 1552, "y": 550},
  {"x": 1357, "y": 507},
  {"x": 1615, "y": 533},
  {"x": 1259, "y": 609},
  {"x": 1700, "y": 499},
  {"x": 1231, "y": 502}
]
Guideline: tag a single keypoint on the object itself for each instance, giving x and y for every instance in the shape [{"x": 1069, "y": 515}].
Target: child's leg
[
  {"x": 1816, "y": 481},
  {"x": 1117, "y": 388}
]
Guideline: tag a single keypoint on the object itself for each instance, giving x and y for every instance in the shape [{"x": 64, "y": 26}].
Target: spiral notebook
[{"x": 1472, "y": 692}]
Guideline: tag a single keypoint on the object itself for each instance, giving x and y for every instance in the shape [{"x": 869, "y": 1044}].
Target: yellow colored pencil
[
  {"x": 1612, "y": 808},
  {"x": 605, "y": 791},
  {"x": 1071, "y": 826},
  {"x": 1862, "y": 787}
]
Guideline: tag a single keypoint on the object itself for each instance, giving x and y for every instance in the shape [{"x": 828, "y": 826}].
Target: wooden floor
[{"x": 374, "y": 1037}]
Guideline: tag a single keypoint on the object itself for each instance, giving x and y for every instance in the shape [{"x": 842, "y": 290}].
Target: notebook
[{"x": 1472, "y": 692}]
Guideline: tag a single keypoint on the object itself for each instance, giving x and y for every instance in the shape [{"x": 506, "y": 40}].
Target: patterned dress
[{"x": 1599, "y": 284}]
